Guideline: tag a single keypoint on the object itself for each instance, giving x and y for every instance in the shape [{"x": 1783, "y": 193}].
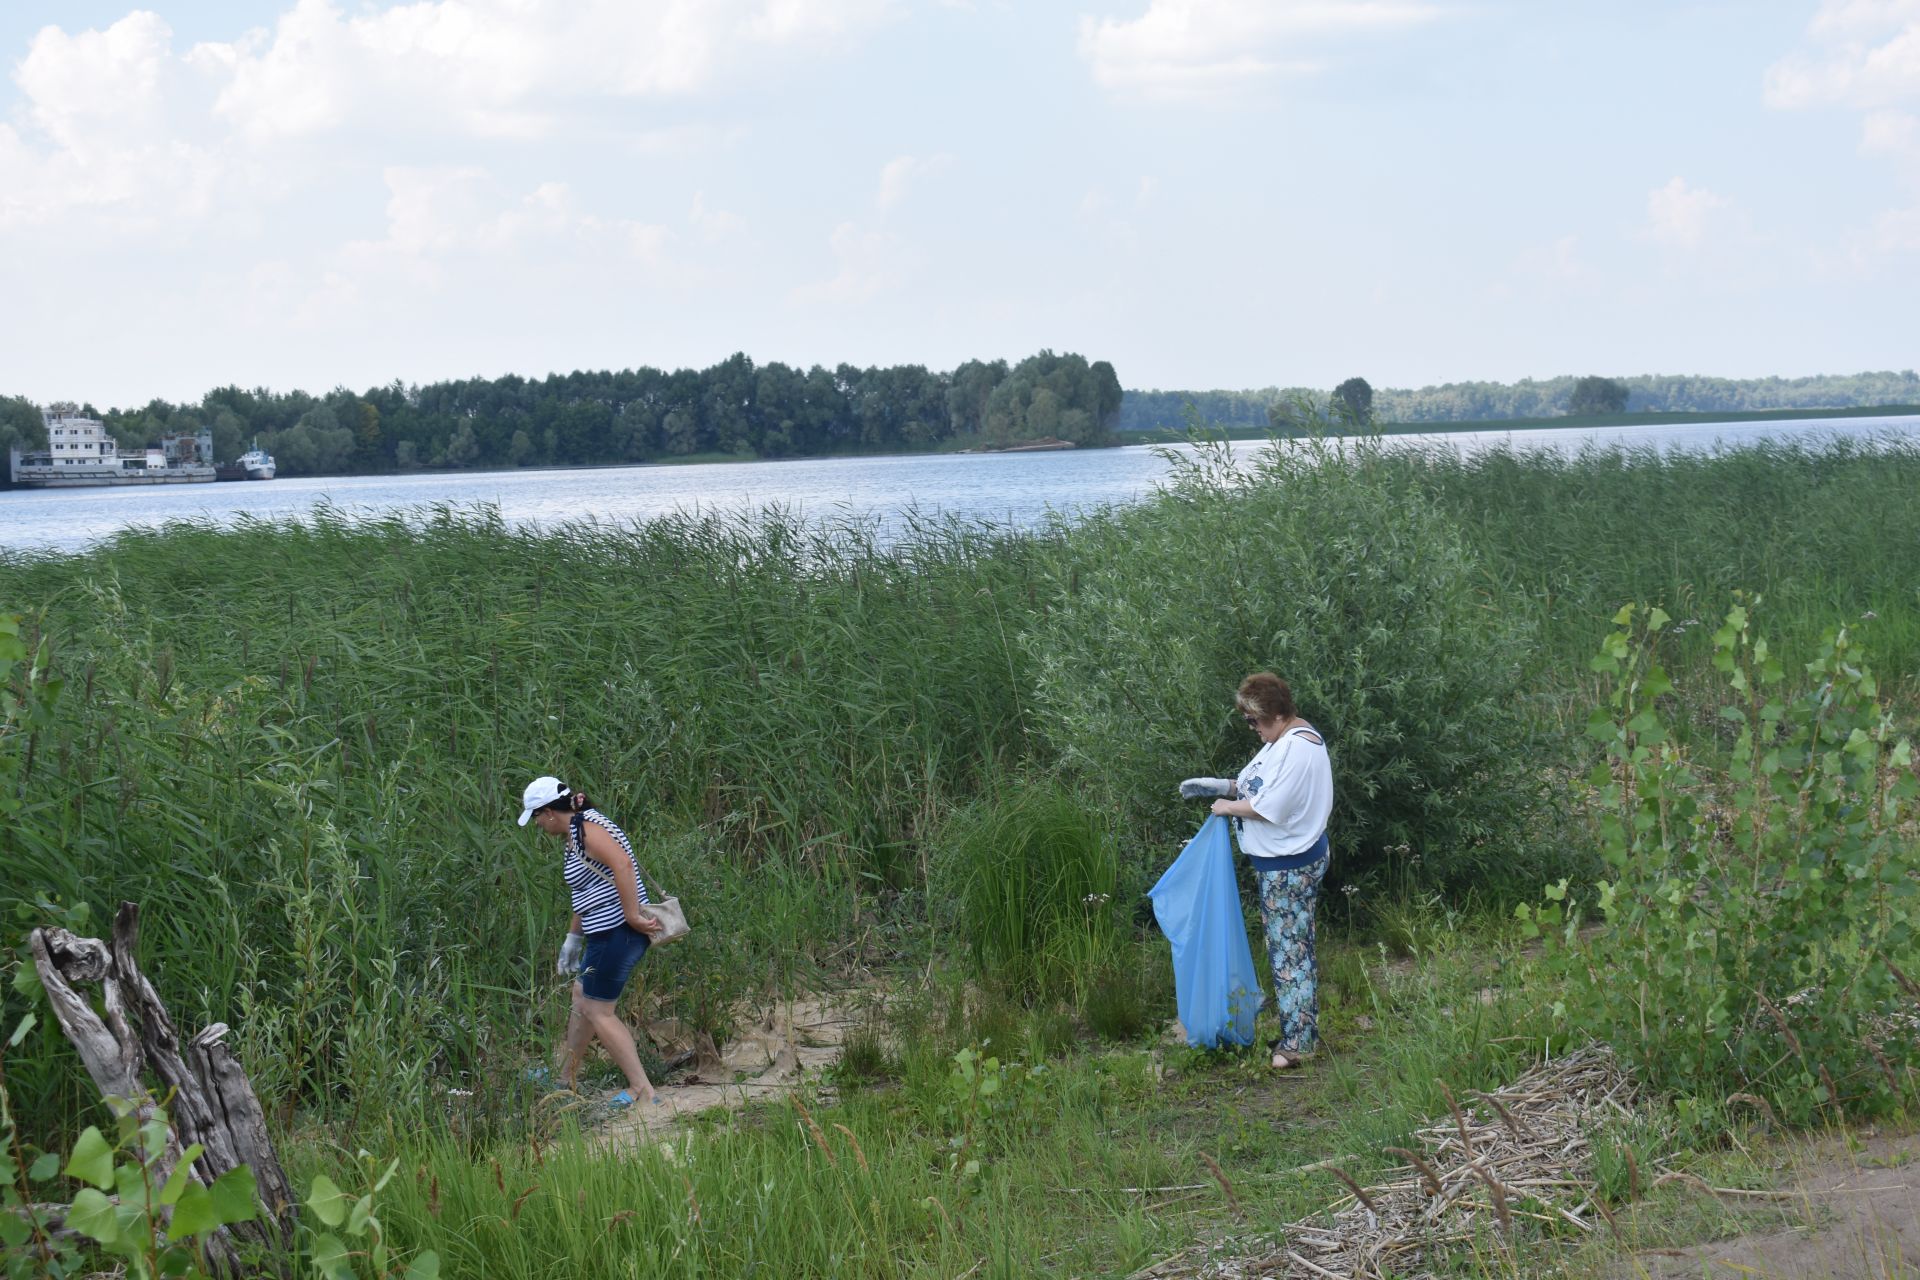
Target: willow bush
[{"x": 1317, "y": 562}]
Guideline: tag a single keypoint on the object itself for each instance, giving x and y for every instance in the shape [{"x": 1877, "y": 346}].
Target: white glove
[
  {"x": 570, "y": 950},
  {"x": 1202, "y": 788}
]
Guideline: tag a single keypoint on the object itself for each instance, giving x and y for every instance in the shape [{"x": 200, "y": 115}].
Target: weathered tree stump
[{"x": 208, "y": 1097}]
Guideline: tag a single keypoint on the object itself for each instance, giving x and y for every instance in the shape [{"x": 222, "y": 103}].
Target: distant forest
[
  {"x": 1545, "y": 398},
  {"x": 736, "y": 408},
  {"x": 741, "y": 409}
]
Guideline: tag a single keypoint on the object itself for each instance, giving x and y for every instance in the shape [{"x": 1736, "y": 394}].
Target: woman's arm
[
  {"x": 604, "y": 849},
  {"x": 1237, "y": 809}
]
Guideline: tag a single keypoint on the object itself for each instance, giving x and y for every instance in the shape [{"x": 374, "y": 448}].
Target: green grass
[
  {"x": 299, "y": 745},
  {"x": 1088, "y": 1161}
]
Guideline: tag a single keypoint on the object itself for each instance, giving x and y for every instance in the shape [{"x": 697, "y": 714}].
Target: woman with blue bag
[{"x": 1279, "y": 806}]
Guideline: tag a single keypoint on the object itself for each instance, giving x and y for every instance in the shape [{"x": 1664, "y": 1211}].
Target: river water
[{"x": 1012, "y": 489}]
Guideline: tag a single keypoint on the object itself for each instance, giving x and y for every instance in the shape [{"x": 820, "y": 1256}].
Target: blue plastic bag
[{"x": 1198, "y": 906}]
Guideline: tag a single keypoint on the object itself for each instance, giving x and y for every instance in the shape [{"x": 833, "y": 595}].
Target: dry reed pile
[{"x": 1520, "y": 1153}]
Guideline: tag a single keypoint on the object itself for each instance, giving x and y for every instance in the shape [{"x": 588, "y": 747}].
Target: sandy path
[
  {"x": 771, "y": 1053},
  {"x": 1855, "y": 1216}
]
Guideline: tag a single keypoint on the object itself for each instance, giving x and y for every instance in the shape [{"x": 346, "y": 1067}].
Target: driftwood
[{"x": 208, "y": 1098}]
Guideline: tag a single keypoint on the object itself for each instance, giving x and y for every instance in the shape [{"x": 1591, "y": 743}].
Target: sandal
[
  {"x": 624, "y": 1099},
  {"x": 1287, "y": 1060}
]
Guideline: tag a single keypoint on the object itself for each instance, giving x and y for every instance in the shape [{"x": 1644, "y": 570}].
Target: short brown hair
[{"x": 1266, "y": 695}]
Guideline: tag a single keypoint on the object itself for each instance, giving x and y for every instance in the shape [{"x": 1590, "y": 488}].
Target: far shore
[
  {"x": 1168, "y": 435},
  {"x": 1440, "y": 427}
]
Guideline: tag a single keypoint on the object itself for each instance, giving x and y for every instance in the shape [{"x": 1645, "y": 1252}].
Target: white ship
[
  {"x": 80, "y": 453},
  {"x": 255, "y": 464}
]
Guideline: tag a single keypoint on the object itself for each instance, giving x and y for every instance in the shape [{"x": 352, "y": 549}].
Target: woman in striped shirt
[{"x": 608, "y": 936}]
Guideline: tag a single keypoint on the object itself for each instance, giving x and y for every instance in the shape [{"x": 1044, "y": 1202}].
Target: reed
[{"x": 300, "y": 743}]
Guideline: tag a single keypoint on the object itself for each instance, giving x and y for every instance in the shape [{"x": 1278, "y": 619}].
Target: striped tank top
[{"x": 596, "y": 899}]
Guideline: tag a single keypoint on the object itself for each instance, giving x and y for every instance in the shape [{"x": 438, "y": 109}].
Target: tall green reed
[{"x": 299, "y": 743}]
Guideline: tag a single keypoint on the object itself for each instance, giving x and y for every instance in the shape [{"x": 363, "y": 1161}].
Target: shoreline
[
  {"x": 1135, "y": 439},
  {"x": 1448, "y": 426}
]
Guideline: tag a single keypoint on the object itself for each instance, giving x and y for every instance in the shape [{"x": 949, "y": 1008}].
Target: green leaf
[
  {"x": 92, "y": 1160},
  {"x": 236, "y": 1195},
  {"x": 45, "y": 1167},
  {"x": 328, "y": 1202},
  {"x": 92, "y": 1215},
  {"x": 425, "y": 1267},
  {"x": 1658, "y": 618},
  {"x": 193, "y": 1215},
  {"x": 182, "y": 1173},
  {"x": 20, "y": 1031},
  {"x": 385, "y": 1178},
  {"x": 13, "y": 1231},
  {"x": 357, "y": 1219},
  {"x": 330, "y": 1257},
  {"x": 26, "y": 981}
]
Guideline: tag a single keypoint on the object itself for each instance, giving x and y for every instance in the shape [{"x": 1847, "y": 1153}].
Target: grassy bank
[{"x": 298, "y": 746}]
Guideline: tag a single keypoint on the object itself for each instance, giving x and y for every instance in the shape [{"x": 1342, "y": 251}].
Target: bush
[
  {"x": 1028, "y": 880},
  {"x": 1319, "y": 561},
  {"x": 1762, "y": 914}
]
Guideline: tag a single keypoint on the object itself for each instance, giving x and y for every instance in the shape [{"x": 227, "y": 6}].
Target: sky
[{"x": 1208, "y": 193}]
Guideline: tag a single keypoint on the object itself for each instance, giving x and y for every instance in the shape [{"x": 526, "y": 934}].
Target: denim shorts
[{"x": 610, "y": 957}]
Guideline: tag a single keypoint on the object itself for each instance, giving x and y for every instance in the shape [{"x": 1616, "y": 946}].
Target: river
[{"x": 1012, "y": 489}]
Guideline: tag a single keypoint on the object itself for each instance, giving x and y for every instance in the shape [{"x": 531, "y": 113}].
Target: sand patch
[
  {"x": 1853, "y": 1211},
  {"x": 774, "y": 1048}
]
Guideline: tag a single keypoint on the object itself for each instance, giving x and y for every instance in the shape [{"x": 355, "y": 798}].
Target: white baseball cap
[{"x": 540, "y": 793}]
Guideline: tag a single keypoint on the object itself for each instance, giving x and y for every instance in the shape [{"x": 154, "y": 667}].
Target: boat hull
[{"x": 108, "y": 482}]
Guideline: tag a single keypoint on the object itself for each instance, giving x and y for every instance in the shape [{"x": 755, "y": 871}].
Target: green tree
[
  {"x": 1592, "y": 394},
  {"x": 229, "y": 434},
  {"x": 1353, "y": 401},
  {"x": 367, "y": 437},
  {"x": 21, "y": 426}
]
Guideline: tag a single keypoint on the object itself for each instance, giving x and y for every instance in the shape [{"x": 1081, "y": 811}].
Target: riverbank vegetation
[
  {"x": 942, "y": 764},
  {"x": 1535, "y": 400},
  {"x": 736, "y": 409}
]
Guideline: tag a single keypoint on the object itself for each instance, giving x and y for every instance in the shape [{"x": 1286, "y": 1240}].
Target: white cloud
[
  {"x": 442, "y": 211},
  {"x": 1682, "y": 217},
  {"x": 117, "y": 123},
  {"x": 1200, "y": 48},
  {"x": 714, "y": 225},
  {"x": 1864, "y": 55},
  {"x": 870, "y": 263},
  {"x": 899, "y": 174},
  {"x": 501, "y": 68},
  {"x": 99, "y": 129},
  {"x": 1860, "y": 53},
  {"x": 1561, "y": 262}
]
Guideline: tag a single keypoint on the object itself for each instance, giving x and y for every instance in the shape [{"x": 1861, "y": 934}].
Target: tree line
[
  {"x": 735, "y": 408},
  {"x": 1527, "y": 398}
]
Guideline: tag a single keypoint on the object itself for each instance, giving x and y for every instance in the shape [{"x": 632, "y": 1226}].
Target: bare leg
[
  {"x": 602, "y": 1020},
  {"x": 574, "y": 1047}
]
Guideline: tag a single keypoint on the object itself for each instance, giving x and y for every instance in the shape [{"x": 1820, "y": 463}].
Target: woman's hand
[
  {"x": 1222, "y": 808},
  {"x": 648, "y": 925},
  {"x": 569, "y": 963}
]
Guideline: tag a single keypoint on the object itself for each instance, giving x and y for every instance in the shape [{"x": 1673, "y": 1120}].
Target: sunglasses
[{"x": 1251, "y": 720}]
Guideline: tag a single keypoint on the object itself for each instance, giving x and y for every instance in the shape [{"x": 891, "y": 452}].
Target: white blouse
[{"x": 1289, "y": 782}]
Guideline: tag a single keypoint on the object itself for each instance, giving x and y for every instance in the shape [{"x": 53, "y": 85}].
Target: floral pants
[{"x": 1286, "y": 908}]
